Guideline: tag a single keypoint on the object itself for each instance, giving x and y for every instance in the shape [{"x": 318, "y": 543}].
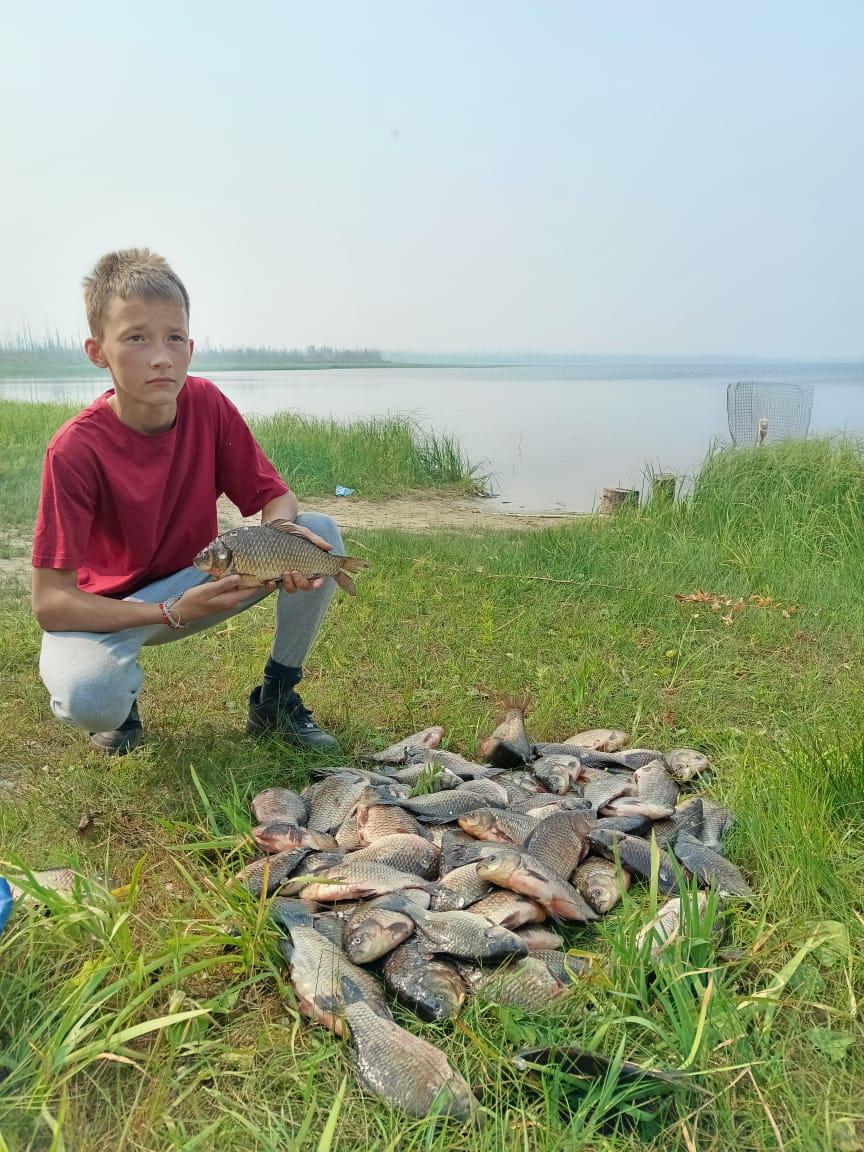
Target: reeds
[{"x": 380, "y": 457}]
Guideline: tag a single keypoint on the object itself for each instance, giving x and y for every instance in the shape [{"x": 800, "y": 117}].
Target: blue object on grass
[
  {"x": 5, "y": 901},
  {"x": 341, "y": 490}
]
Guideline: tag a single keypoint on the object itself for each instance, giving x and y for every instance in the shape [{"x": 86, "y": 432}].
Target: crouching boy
[{"x": 129, "y": 491}]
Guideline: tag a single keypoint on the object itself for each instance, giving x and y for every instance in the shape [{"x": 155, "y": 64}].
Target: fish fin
[
  {"x": 287, "y": 915},
  {"x": 398, "y": 902},
  {"x": 345, "y": 582},
  {"x": 353, "y": 563},
  {"x": 382, "y": 796},
  {"x": 287, "y": 949},
  {"x": 351, "y": 992},
  {"x": 249, "y": 581}
]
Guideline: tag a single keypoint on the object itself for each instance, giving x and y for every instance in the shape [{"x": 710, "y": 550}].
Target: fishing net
[{"x": 759, "y": 412}]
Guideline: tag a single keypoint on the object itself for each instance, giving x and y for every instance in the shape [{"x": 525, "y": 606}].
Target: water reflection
[{"x": 553, "y": 435}]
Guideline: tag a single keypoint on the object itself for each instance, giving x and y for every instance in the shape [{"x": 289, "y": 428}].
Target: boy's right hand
[{"x": 211, "y": 598}]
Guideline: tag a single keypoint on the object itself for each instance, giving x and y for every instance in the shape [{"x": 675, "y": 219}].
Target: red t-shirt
[{"x": 126, "y": 509}]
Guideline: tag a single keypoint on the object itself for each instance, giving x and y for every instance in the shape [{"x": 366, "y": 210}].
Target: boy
[{"x": 129, "y": 490}]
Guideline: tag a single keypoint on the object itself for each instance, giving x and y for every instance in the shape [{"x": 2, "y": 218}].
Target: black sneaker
[
  {"x": 124, "y": 739},
  {"x": 288, "y": 717}
]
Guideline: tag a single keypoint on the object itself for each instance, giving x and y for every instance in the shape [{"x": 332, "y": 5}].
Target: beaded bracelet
[{"x": 170, "y": 617}]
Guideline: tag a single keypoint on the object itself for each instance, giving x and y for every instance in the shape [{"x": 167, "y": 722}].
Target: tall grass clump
[
  {"x": 380, "y": 456},
  {"x": 25, "y": 429},
  {"x": 785, "y": 521},
  {"x": 811, "y": 492}
]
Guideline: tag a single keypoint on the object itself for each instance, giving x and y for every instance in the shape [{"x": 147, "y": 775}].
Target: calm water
[{"x": 553, "y": 435}]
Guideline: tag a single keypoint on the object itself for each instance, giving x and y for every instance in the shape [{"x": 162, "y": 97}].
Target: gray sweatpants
[{"x": 94, "y": 677}]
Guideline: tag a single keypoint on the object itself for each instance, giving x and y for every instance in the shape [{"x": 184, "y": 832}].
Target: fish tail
[{"x": 353, "y": 563}]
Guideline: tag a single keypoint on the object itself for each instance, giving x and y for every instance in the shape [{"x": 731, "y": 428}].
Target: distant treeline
[
  {"x": 281, "y": 357},
  {"x": 53, "y": 355}
]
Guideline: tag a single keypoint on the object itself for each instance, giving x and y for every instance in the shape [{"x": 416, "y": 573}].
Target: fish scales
[
  {"x": 371, "y": 933},
  {"x": 600, "y": 739},
  {"x": 426, "y": 738},
  {"x": 509, "y": 909},
  {"x": 635, "y": 855},
  {"x": 654, "y": 783},
  {"x": 351, "y": 880},
  {"x": 262, "y": 552},
  {"x": 538, "y": 938},
  {"x": 317, "y": 966},
  {"x": 375, "y": 820},
  {"x": 499, "y": 825},
  {"x": 464, "y": 935},
  {"x": 275, "y": 805},
  {"x": 427, "y": 984},
  {"x": 465, "y": 883},
  {"x": 561, "y": 965},
  {"x": 521, "y": 873},
  {"x": 331, "y": 800},
  {"x": 687, "y": 817},
  {"x": 666, "y": 925},
  {"x": 404, "y": 851},
  {"x": 440, "y": 807},
  {"x": 559, "y": 842},
  {"x": 709, "y": 867},
  {"x": 716, "y": 822},
  {"x": 402, "y": 1068},
  {"x": 486, "y": 790},
  {"x": 458, "y": 765},
  {"x": 526, "y": 984},
  {"x": 601, "y": 882},
  {"x": 557, "y": 773},
  {"x": 59, "y": 880},
  {"x": 269, "y": 873}
]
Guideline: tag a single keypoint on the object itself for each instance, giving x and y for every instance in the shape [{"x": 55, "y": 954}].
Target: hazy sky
[{"x": 585, "y": 176}]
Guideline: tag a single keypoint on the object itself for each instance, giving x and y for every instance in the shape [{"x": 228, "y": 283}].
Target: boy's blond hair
[{"x": 130, "y": 272}]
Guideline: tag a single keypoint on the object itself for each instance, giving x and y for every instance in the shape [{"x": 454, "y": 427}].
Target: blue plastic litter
[
  {"x": 341, "y": 490},
  {"x": 5, "y": 902}
]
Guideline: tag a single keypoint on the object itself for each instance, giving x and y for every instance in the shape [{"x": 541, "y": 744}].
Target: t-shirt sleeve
[
  {"x": 65, "y": 518},
  {"x": 243, "y": 471}
]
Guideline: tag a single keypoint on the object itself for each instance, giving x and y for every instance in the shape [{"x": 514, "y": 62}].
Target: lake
[{"x": 553, "y": 435}]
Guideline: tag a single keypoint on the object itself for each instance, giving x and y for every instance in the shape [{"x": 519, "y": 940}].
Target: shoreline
[{"x": 421, "y": 510}]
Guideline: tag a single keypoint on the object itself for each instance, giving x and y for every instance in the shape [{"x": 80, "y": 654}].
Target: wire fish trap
[{"x": 760, "y": 411}]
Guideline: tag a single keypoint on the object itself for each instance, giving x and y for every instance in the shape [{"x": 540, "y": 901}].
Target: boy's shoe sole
[{"x": 122, "y": 740}]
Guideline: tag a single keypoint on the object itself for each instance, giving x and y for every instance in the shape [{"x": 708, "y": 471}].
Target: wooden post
[
  {"x": 612, "y": 499},
  {"x": 663, "y": 487}
]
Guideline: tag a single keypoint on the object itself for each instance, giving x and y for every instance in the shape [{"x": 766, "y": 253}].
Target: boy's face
[{"x": 145, "y": 344}]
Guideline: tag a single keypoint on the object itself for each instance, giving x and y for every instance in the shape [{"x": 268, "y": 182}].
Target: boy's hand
[
  {"x": 211, "y": 597},
  {"x": 296, "y": 581}
]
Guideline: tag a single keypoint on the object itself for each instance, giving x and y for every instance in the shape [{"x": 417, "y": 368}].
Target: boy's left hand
[{"x": 296, "y": 581}]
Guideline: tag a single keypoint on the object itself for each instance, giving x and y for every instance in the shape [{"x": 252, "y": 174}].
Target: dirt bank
[{"x": 419, "y": 511}]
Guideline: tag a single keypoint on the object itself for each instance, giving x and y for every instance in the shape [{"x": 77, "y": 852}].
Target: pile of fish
[{"x": 431, "y": 877}]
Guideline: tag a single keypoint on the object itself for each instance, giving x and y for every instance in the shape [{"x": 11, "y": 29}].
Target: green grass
[
  {"x": 135, "y": 1021},
  {"x": 378, "y": 457}
]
